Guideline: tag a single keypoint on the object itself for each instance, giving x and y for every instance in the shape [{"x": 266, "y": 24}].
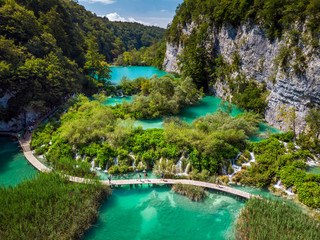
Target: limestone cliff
[{"x": 292, "y": 77}]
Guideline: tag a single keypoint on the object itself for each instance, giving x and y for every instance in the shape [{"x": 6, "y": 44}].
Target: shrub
[{"x": 194, "y": 193}]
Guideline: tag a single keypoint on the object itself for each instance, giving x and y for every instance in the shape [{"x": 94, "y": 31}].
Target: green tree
[{"x": 313, "y": 120}]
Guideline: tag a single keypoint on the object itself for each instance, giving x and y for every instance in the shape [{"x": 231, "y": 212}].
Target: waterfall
[
  {"x": 287, "y": 191},
  {"x": 179, "y": 164},
  {"x": 186, "y": 170},
  {"x": 253, "y": 159},
  {"x": 84, "y": 157},
  {"x": 235, "y": 167},
  {"x": 134, "y": 159},
  {"x": 278, "y": 185},
  {"x": 106, "y": 170},
  {"x": 116, "y": 160},
  {"x": 92, "y": 165}
]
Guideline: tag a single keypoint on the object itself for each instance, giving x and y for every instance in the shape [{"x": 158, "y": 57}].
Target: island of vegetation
[{"x": 194, "y": 193}]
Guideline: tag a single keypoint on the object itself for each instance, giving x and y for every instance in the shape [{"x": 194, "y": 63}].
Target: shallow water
[
  {"x": 313, "y": 169},
  {"x": 132, "y": 175},
  {"x": 133, "y": 72},
  {"x": 157, "y": 213},
  {"x": 112, "y": 101},
  {"x": 14, "y": 168}
]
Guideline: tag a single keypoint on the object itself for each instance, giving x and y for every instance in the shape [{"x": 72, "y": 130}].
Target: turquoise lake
[
  {"x": 14, "y": 168},
  {"x": 133, "y": 72},
  {"x": 157, "y": 213}
]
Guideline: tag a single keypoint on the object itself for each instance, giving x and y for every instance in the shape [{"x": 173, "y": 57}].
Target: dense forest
[
  {"x": 274, "y": 15},
  {"x": 49, "y": 49}
]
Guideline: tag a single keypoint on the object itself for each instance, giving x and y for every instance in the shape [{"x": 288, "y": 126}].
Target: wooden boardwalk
[
  {"x": 206, "y": 185},
  {"x": 25, "y": 145}
]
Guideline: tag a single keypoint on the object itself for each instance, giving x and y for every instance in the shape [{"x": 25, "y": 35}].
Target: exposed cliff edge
[{"x": 291, "y": 71}]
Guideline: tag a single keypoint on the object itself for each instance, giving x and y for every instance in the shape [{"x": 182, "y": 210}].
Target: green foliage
[
  {"x": 284, "y": 137},
  {"x": 135, "y": 35},
  {"x": 309, "y": 194},
  {"x": 158, "y": 97},
  {"x": 145, "y": 56},
  {"x": 248, "y": 94},
  {"x": 274, "y": 16},
  {"x": 50, "y": 49},
  {"x": 267, "y": 219},
  {"x": 313, "y": 120},
  {"x": 194, "y": 193},
  {"x": 49, "y": 207},
  {"x": 89, "y": 134}
]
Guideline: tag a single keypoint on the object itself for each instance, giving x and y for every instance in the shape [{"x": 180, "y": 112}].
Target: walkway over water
[
  {"x": 25, "y": 145},
  {"x": 183, "y": 181}
]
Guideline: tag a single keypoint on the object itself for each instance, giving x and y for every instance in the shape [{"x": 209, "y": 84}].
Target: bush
[
  {"x": 284, "y": 137},
  {"x": 194, "y": 193}
]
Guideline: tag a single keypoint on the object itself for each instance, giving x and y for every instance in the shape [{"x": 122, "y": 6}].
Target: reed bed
[
  {"x": 195, "y": 193},
  {"x": 49, "y": 207},
  {"x": 275, "y": 220}
]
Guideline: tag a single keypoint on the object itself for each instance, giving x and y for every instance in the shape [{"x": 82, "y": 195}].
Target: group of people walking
[{"x": 145, "y": 176}]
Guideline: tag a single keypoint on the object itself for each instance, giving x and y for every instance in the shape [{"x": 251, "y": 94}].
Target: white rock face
[
  {"x": 258, "y": 56},
  {"x": 171, "y": 58}
]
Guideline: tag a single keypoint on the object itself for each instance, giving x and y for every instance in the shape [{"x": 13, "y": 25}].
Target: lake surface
[
  {"x": 133, "y": 72},
  {"x": 14, "y": 168},
  {"x": 156, "y": 213}
]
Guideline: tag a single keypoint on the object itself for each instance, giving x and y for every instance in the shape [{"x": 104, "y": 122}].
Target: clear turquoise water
[
  {"x": 208, "y": 105},
  {"x": 133, "y": 72},
  {"x": 156, "y": 213},
  {"x": 313, "y": 169},
  {"x": 14, "y": 168},
  {"x": 112, "y": 101},
  {"x": 132, "y": 175}
]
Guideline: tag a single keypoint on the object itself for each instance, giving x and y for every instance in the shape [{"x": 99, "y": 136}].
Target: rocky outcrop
[
  {"x": 19, "y": 122},
  {"x": 260, "y": 61}
]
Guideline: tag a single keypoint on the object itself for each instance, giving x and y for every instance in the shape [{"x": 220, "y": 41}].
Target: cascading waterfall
[
  {"x": 97, "y": 168},
  {"x": 185, "y": 173},
  {"x": 253, "y": 159},
  {"x": 116, "y": 160},
  {"x": 84, "y": 157},
  {"x": 179, "y": 164},
  {"x": 134, "y": 159},
  {"x": 106, "y": 170},
  {"x": 279, "y": 187},
  {"x": 92, "y": 165},
  {"x": 235, "y": 167}
]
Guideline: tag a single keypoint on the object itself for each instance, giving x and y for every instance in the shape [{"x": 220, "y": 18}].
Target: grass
[
  {"x": 266, "y": 219},
  {"x": 49, "y": 207},
  {"x": 194, "y": 193}
]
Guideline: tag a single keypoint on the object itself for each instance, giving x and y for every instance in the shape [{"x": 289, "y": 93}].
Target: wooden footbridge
[{"x": 25, "y": 145}]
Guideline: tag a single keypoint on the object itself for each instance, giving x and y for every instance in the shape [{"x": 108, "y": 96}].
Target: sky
[{"x": 148, "y": 12}]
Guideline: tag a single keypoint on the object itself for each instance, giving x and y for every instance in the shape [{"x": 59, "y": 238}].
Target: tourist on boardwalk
[
  {"x": 217, "y": 182},
  {"x": 145, "y": 175},
  {"x": 139, "y": 177},
  {"x": 162, "y": 176},
  {"x": 109, "y": 179}
]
